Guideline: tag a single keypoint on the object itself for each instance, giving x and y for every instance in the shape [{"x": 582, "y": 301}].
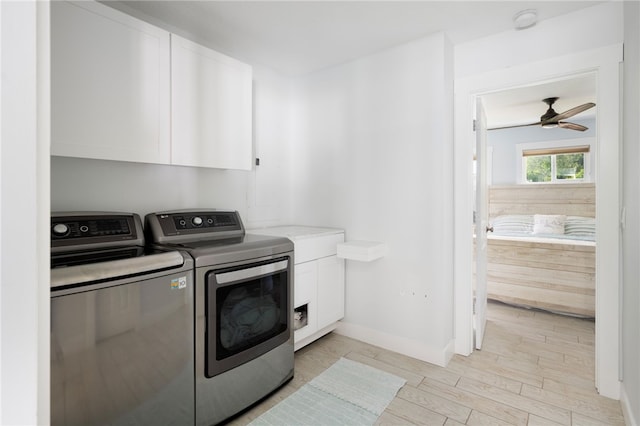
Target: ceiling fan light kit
[
  {"x": 525, "y": 19},
  {"x": 545, "y": 119}
]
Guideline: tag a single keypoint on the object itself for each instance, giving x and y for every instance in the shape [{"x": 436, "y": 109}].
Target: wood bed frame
[{"x": 558, "y": 276}]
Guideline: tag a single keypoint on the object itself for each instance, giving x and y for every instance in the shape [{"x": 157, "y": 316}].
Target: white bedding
[
  {"x": 542, "y": 239},
  {"x": 577, "y": 230}
]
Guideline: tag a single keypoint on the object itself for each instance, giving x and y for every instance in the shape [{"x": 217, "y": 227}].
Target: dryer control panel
[{"x": 180, "y": 226}]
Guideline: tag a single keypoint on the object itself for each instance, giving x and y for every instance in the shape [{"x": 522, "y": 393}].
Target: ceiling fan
[{"x": 551, "y": 119}]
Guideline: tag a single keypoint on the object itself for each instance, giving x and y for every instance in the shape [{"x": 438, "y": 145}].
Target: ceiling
[
  {"x": 524, "y": 105},
  {"x": 299, "y": 37}
]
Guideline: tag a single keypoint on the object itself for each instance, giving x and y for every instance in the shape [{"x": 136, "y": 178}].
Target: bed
[{"x": 541, "y": 252}]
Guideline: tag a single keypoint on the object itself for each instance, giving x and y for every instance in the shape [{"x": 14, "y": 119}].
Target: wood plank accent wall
[{"x": 576, "y": 199}]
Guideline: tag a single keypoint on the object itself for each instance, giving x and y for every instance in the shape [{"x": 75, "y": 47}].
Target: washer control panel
[
  {"x": 108, "y": 229},
  {"x": 90, "y": 228}
]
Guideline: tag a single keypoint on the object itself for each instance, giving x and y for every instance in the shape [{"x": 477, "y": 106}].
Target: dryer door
[{"x": 247, "y": 312}]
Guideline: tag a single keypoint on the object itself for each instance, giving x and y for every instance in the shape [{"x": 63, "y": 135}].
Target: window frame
[{"x": 554, "y": 148}]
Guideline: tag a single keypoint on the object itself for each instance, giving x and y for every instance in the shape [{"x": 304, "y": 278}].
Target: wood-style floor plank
[
  {"x": 476, "y": 402},
  {"x": 536, "y": 368}
]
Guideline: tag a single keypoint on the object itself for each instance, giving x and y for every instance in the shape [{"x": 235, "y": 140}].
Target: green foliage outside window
[
  {"x": 567, "y": 166},
  {"x": 570, "y": 166},
  {"x": 539, "y": 168}
]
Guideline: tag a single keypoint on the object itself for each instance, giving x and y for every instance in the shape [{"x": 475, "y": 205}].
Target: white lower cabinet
[
  {"x": 330, "y": 290},
  {"x": 319, "y": 285},
  {"x": 305, "y": 300},
  {"x": 318, "y": 298}
]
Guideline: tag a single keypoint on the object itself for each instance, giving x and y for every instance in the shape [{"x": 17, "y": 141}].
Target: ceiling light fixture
[{"x": 525, "y": 19}]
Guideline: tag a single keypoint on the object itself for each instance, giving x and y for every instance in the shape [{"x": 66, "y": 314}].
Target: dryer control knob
[
  {"x": 197, "y": 221},
  {"x": 60, "y": 230}
]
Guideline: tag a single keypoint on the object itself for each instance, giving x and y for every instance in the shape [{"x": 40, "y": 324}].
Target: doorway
[
  {"x": 525, "y": 264},
  {"x": 604, "y": 63}
]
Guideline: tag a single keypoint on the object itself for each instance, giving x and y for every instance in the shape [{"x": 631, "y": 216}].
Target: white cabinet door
[
  {"x": 109, "y": 85},
  {"x": 211, "y": 98},
  {"x": 330, "y": 290},
  {"x": 306, "y": 284}
]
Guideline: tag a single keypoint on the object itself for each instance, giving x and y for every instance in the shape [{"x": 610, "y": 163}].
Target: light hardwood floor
[{"x": 535, "y": 368}]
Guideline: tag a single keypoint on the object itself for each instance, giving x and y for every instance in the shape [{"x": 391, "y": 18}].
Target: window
[{"x": 548, "y": 164}]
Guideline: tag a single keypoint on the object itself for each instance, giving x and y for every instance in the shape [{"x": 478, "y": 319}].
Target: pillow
[
  {"x": 580, "y": 226},
  {"x": 548, "y": 224},
  {"x": 512, "y": 223}
]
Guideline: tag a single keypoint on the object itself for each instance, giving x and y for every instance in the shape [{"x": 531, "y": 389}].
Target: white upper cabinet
[
  {"x": 110, "y": 85},
  {"x": 126, "y": 90},
  {"x": 211, "y": 113}
]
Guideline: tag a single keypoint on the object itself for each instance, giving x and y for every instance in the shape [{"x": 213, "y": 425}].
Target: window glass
[
  {"x": 553, "y": 164},
  {"x": 570, "y": 166},
  {"x": 538, "y": 168}
]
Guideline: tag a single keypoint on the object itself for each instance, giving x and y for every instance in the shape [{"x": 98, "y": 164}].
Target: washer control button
[
  {"x": 197, "y": 221},
  {"x": 60, "y": 230}
]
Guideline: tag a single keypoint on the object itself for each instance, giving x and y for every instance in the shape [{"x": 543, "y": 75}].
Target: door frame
[
  {"x": 481, "y": 216},
  {"x": 605, "y": 62}
]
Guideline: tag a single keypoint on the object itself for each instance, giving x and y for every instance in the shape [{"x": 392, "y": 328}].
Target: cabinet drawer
[{"x": 307, "y": 249}]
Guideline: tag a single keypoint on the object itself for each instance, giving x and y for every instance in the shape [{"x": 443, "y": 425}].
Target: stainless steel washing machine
[
  {"x": 122, "y": 334},
  {"x": 244, "y": 307}
]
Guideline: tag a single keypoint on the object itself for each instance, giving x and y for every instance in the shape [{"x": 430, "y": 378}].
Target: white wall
[
  {"x": 24, "y": 214},
  {"x": 372, "y": 151},
  {"x": 585, "y": 29},
  {"x": 261, "y": 195},
  {"x": 631, "y": 230}
]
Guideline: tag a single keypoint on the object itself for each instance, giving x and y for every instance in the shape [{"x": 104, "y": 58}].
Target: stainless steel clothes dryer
[
  {"x": 244, "y": 307},
  {"x": 122, "y": 339}
]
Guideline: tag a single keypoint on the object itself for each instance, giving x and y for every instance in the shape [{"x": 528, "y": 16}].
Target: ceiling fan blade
[
  {"x": 514, "y": 126},
  {"x": 572, "y": 126},
  {"x": 573, "y": 111}
]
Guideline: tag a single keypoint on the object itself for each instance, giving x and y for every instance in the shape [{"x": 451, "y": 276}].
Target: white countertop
[{"x": 295, "y": 232}]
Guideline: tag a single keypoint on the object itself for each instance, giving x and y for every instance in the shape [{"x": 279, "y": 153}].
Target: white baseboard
[
  {"x": 299, "y": 344},
  {"x": 402, "y": 345},
  {"x": 629, "y": 418}
]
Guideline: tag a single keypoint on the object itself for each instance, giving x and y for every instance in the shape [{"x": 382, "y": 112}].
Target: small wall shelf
[{"x": 364, "y": 251}]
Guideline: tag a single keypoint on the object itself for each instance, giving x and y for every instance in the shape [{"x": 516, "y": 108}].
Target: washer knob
[
  {"x": 197, "y": 221},
  {"x": 60, "y": 230}
]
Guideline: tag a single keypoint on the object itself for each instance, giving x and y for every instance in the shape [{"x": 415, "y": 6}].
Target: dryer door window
[{"x": 247, "y": 312}]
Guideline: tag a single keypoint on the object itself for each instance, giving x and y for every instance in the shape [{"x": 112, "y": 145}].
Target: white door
[{"x": 482, "y": 222}]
